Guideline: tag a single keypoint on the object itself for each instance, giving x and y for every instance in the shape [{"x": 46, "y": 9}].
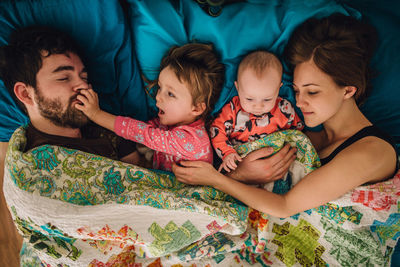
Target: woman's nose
[{"x": 299, "y": 100}]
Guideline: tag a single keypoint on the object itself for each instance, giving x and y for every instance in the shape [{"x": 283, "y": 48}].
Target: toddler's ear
[{"x": 199, "y": 108}]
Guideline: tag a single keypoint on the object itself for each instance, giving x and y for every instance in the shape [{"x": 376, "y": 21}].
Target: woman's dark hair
[
  {"x": 341, "y": 46},
  {"x": 21, "y": 59}
]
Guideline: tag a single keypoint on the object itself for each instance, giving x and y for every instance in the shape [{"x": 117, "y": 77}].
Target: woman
[{"x": 330, "y": 58}]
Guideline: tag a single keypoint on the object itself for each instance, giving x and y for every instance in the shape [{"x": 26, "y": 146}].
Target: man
[{"x": 43, "y": 71}]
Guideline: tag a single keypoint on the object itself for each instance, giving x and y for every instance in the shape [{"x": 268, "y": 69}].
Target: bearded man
[{"x": 43, "y": 71}]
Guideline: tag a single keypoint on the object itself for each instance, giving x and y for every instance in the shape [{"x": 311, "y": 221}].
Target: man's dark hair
[{"x": 21, "y": 59}]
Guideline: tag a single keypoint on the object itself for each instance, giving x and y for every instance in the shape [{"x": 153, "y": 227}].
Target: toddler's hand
[
  {"x": 90, "y": 103},
  {"x": 229, "y": 162}
]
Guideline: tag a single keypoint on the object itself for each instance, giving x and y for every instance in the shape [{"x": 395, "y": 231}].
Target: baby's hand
[
  {"x": 229, "y": 162},
  {"x": 90, "y": 103}
]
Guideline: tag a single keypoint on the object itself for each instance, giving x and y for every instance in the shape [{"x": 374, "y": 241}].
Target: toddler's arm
[
  {"x": 90, "y": 107},
  {"x": 182, "y": 141}
]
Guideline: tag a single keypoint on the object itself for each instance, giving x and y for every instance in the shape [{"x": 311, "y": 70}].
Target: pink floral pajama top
[{"x": 170, "y": 144}]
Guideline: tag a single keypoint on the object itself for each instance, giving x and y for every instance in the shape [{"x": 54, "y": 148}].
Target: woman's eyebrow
[{"x": 307, "y": 84}]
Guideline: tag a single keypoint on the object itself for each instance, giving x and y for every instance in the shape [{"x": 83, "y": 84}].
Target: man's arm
[
  {"x": 132, "y": 158},
  {"x": 259, "y": 167},
  {"x": 9, "y": 250}
]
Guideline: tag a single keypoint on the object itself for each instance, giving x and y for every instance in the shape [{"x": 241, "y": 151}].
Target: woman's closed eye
[{"x": 297, "y": 92}]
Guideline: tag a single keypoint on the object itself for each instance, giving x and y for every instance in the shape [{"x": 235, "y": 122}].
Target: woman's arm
[{"x": 352, "y": 167}]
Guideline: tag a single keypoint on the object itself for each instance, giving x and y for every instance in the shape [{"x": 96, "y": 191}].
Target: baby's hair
[
  {"x": 339, "y": 45},
  {"x": 197, "y": 65},
  {"x": 259, "y": 61}
]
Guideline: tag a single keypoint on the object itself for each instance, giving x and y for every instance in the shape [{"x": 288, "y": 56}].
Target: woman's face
[{"x": 317, "y": 95}]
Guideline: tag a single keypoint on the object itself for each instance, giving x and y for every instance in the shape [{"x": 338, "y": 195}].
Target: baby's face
[{"x": 258, "y": 95}]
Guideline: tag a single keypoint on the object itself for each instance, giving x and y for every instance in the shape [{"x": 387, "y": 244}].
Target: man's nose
[{"x": 81, "y": 84}]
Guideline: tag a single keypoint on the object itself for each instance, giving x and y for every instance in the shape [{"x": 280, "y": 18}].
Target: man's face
[{"x": 59, "y": 81}]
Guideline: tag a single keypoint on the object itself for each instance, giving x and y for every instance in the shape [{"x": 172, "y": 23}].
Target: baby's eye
[
  {"x": 171, "y": 94},
  {"x": 249, "y": 99}
]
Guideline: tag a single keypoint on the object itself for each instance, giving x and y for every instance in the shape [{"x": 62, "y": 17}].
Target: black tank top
[{"x": 364, "y": 132}]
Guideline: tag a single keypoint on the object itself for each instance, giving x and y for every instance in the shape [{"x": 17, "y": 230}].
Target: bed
[{"x": 80, "y": 209}]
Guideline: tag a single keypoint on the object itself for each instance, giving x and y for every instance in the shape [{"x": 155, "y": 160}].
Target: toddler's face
[
  {"x": 257, "y": 95},
  {"x": 174, "y": 100}
]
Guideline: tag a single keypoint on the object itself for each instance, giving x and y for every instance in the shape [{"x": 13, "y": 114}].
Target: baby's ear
[
  {"x": 236, "y": 85},
  {"x": 199, "y": 108}
]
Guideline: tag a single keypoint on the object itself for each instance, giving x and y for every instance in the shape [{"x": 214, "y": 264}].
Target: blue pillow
[
  {"x": 240, "y": 28},
  {"x": 99, "y": 26},
  {"x": 382, "y": 106}
]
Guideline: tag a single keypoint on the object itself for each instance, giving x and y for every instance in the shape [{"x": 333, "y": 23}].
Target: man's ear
[
  {"x": 199, "y": 108},
  {"x": 24, "y": 93},
  {"x": 349, "y": 91}
]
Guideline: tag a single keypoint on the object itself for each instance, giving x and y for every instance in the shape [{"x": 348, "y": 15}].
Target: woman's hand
[
  {"x": 255, "y": 168},
  {"x": 196, "y": 173}
]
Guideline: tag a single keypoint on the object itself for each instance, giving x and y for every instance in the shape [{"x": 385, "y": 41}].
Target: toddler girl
[{"x": 189, "y": 82}]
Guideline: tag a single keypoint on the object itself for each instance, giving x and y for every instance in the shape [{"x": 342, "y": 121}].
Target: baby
[
  {"x": 190, "y": 80},
  {"x": 257, "y": 110}
]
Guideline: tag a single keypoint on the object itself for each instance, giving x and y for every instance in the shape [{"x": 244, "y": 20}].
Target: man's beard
[{"x": 53, "y": 111}]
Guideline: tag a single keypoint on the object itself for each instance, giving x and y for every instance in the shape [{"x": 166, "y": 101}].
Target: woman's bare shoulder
[{"x": 373, "y": 156}]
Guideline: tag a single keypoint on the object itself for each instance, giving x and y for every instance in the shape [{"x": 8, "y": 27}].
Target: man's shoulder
[{"x": 92, "y": 130}]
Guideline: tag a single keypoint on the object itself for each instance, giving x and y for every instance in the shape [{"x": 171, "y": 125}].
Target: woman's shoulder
[
  {"x": 373, "y": 155},
  {"x": 368, "y": 153}
]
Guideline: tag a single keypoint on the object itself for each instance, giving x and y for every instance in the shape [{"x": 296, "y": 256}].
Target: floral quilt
[{"x": 78, "y": 209}]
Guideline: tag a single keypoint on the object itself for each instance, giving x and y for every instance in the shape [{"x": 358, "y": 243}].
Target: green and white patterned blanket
[{"x": 79, "y": 209}]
